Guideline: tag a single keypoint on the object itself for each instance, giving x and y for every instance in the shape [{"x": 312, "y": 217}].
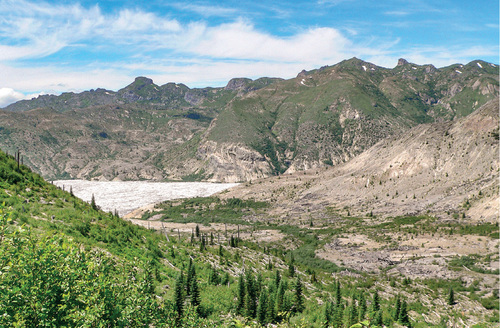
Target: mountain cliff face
[
  {"x": 445, "y": 169},
  {"x": 247, "y": 130}
]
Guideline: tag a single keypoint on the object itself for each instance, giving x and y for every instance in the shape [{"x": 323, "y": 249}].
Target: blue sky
[{"x": 59, "y": 46}]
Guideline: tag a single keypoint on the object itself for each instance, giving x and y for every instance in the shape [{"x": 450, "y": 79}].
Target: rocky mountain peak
[
  {"x": 402, "y": 62},
  {"x": 237, "y": 84}
]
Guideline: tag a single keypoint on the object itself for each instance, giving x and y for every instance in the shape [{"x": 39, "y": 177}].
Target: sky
[{"x": 67, "y": 46}]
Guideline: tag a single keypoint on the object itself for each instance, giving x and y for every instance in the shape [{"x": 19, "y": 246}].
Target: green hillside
[{"x": 66, "y": 263}]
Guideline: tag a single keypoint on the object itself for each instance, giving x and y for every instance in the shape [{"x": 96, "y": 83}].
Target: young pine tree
[
  {"x": 191, "y": 273},
  {"x": 251, "y": 296},
  {"x": 375, "y": 303},
  {"x": 397, "y": 309},
  {"x": 451, "y": 297},
  {"x": 262, "y": 307},
  {"x": 195, "y": 292},
  {"x": 179, "y": 295},
  {"x": 404, "y": 319},
  {"x": 299, "y": 296},
  {"x": 240, "y": 305},
  {"x": 280, "y": 297}
]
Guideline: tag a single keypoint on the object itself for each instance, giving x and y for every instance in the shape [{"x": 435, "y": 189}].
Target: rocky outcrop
[{"x": 232, "y": 162}]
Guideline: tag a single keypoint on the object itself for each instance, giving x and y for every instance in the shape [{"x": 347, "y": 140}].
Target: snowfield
[{"x": 126, "y": 196}]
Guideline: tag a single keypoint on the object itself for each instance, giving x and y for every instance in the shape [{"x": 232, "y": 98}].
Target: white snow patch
[
  {"x": 364, "y": 67},
  {"x": 414, "y": 68},
  {"x": 107, "y": 93},
  {"x": 458, "y": 71},
  {"x": 156, "y": 89},
  {"x": 493, "y": 65},
  {"x": 302, "y": 82},
  {"x": 461, "y": 65},
  {"x": 478, "y": 64},
  {"x": 372, "y": 69},
  {"x": 126, "y": 196}
]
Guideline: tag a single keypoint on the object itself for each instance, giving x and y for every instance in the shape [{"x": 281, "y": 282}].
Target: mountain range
[{"x": 247, "y": 130}]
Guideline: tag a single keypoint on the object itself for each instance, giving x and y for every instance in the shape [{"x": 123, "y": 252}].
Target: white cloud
[
  {"x": 240, "y": 40},
  {"x": 9, "y": 96},
  {"x": 206, "y": 11}
]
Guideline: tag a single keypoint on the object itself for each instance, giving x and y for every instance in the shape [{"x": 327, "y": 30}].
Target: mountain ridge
[{"x": 247, "y": 130}]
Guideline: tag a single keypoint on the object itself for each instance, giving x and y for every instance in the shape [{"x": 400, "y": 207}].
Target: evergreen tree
[
  {"x": 271, "y": 309},
  {"x": 280, "y": 297},
  {"x": 277, "y": 279},
  {"x": 221, "y": 251},
  {"x": 197, "y": 231},
  {"x": 397, "y": 309},
  {"x": 337, "y": 315},
  {"x": 291, "y": 270},
  {"x": 403, "y": 318},
  {"x": 195, "y": 292},
  {"x": 211, "y": 238},
  {"x": 338, "y": 294},
  {"x": 377, "y": 319},
  {"x": 262, "y": 308},
  {"x": 375, "y": 302},
  {"x": 179, "y": 296},
  {"x": 361, "y": 307},
  {"x": 251, "y": 296},
  {"x": 213, "y": 277},
  {"x": 327, "y": 315},
  {"x": 93, "y": 204},
  {"x": 352, "y": 315},
  {"x": 240, "y": 305},
  {"x": 299, "y": 297},
  {"x": 258, "y": 285},
  {"x": 202, "y": 243},
  {"x": 189, "y": 279},
  {"x": 451, "y": 297}
]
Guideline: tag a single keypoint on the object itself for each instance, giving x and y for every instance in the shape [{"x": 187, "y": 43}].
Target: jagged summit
[{"x": 402, "y": 62}]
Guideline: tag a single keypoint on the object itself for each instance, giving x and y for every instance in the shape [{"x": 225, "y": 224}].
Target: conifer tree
[
  {"x": 291, "y": 267},
  {"x": 377, "y": 319},
  {"x": 451, "y": 297},
  {"x": 197, "y": 231},
  {"x": 189, "y": 279},
  {"x": 338, "y": 294},
  {"x": 179, "y": 295},
  {"x": 251, "y": 296},
  {"x": 404, "y": 319},
  {"x": 258, "y": 285},
  {"x": 280, "y": 297},
  {"x": 262, "y": 307},
  {"x": 375, "y": 302},
  {"x": 93, "y": 204},
  {"x": 299, "y": 297},
  {"x": 397, "y": 309},
  {"x": 240, "y": 305},
  {"x": 277, "y": 279},
  {"x": 352, "y": 315},
  {"x": 195, "y": 292},
  {"x": 271, "y": 309},
  {"x": 327, "y": 315},
  {"x": 361, "y": 307},
  {"x": 213, "y": 277}
]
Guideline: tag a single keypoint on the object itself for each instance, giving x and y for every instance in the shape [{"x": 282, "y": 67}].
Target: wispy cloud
[
  {"x": 206, "y": 11},
  {"x": 397, "y": 13}
]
